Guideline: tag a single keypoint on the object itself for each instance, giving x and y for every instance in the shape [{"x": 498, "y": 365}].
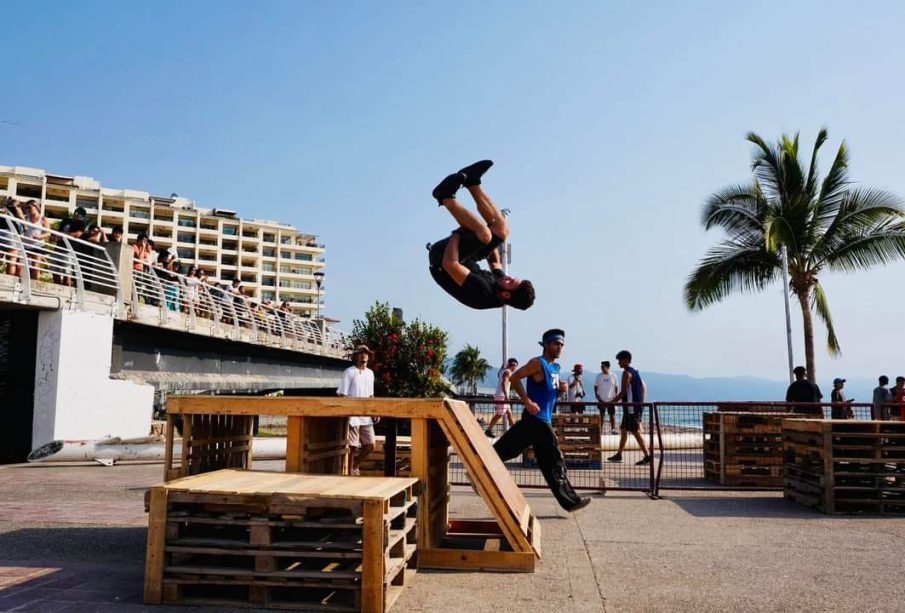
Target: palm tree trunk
[{"x": 807, "y": 319}]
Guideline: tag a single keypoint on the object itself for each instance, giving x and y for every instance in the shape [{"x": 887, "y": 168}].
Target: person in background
[
  {"x": 633, "y": 394},
  {"x": 501, "y": 398},
  {"x": 116, "y": 234},
  {"x": 605, "y": 388},
  {"x": 802, "y": 390},
  {"x": 34, "y": 236},
  {"x": 575, "y": 392},
  {"x": 898, "y": 396},
  {"x": 842, "y": 408},
  {"x": 358, "y": 382},
  {"x": 882, "y": 397},
  {"x": 142, "y": 253}
]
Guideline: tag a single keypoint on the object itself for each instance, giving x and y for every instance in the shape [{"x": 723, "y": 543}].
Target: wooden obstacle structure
[
  {"x": 232, "y": 538},
  {"x": 316, "y": 443},
  {"x": 744, "y": 449},
  {"x": 373, "y": 465},
  {"x": 845, "y": 466}
]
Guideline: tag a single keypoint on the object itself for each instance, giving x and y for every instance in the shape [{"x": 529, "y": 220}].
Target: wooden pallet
[
  {"x": 510, "y": 541},
  {"x": 744, "y": 449},
  {"x": 278, "y": 540},
  {"x": 373, "y": 465},
  {"x": 845, "y": 466}
]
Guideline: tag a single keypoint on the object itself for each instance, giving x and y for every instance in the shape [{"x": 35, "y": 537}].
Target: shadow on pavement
[
  {"x": 109, "y": 544},
  {"x": 744, "y": 506}
]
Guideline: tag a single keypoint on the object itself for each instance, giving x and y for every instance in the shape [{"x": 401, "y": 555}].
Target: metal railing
[
  {"x": 56, "y": 258},
  {"x": 203, "y": 307},
  {"x": 673, "y": 433}
]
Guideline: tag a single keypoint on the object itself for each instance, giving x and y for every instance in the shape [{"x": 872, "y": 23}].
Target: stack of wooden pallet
[
  {"x": 744, "y": 449},
  {"x": 275, "y": 540},
  {"x": 578, "y": 437},
  {"x": 843, "y": 466},
  {"x": 374, "y": 463}
]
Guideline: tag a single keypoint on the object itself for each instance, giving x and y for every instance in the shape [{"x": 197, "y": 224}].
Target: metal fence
[{"x": 672, "y": 432}]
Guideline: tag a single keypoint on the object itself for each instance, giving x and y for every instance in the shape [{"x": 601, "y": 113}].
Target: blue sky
[{"x": 610, "y": 123}]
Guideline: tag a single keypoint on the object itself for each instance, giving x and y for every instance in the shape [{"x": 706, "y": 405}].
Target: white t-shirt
[
  {"x": 357, "y": 384},
  {"x": 606, "y": 386},
  {"x": 501, "y": 393},
  {"x": 576, "y": 389}
]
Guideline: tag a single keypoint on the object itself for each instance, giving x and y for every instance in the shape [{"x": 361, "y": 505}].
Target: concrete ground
[{"x": 72, "y": 538}]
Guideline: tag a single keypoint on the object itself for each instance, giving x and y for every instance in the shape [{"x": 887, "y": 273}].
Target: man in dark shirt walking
[
  {"x": 802, "y": 390},
  {"x": 453, "y": 260}
]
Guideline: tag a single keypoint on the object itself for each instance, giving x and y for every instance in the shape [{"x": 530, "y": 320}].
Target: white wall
[{"x": 75, "y": 398}]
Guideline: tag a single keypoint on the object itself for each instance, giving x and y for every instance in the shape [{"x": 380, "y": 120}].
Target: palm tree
[
  {"x": 468, "y": 368},
  {"x": 823, "y": 224}
]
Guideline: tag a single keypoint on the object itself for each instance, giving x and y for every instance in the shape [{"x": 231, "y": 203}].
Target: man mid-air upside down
[{"x": 453, "y": 260}]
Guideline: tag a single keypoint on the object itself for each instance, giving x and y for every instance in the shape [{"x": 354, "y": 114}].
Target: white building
[{"x": 274, "y": 261}]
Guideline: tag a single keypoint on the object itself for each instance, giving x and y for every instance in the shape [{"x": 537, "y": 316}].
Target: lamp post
[
  {"x": 318, "y": 279},
  {"x": 505, "y": 256}
]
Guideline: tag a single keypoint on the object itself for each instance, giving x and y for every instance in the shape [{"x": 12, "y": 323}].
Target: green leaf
[{"x": 823, "y": 310}]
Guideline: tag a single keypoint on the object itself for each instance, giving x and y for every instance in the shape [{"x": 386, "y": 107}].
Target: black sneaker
[
  {"x": 447, "y": 187},
  {"x": 643, "y": 461},
  {"x": 616, "y": 459},
  {"x": 582, "y": 503},
  {"x": 474, "y": 172},
  {"x": 489, "y": 432}
]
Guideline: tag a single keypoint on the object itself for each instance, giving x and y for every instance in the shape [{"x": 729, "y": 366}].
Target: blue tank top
[
  {"x": 546, "y": 392},
  {"x": 636, "y": 392}
]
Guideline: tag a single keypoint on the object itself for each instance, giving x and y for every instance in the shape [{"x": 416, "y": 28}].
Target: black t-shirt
[
  {"x": 478, "y": 291},
  {"x": 804, "y": 391}
]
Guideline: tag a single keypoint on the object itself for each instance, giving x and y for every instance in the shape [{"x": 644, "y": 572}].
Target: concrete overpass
[{"x": 88, "y": 345}]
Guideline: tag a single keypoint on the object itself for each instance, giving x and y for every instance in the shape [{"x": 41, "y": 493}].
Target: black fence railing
[{"x": 673, "y": 432}]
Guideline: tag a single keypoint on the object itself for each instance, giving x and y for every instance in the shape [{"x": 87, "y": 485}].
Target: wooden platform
[
  {"x": 845, "y": 466},
  {"x": 279, "y": 540},
  {"x": 508, "y": 542}
]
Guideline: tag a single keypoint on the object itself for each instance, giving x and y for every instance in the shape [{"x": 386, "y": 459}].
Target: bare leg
[
  {"x": 623, "y": 437},
  {"x": 493, "y": 421},
  {"x": 489, "y": 212},
  {"x": 467, "y": 220},
  {"x": 640, "y": 440}
]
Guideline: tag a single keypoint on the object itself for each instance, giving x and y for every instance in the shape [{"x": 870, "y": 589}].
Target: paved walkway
[{"x": 72, "y": 539}]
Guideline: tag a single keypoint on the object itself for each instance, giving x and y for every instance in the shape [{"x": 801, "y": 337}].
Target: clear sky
[{"x": 610, "y": 123}]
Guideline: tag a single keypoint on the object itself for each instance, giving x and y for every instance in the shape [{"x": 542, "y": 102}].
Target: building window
[
  {"x": 269, "y": 253},
  {"x": 184, "y": 237},
  {"x": 187, "y": 223},
  {"x": 186, "y": 254},
  {"x": 31, "y": 191},
  {"x": 88, "y": 203},
  {"x": 230, "y": 231}
]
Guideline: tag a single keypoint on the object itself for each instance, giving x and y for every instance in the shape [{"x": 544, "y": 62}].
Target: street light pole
[
  {"x": 785, "y": 294},
  {"x": 318, "y": 278},
  {"x": 504, "y": 257}
]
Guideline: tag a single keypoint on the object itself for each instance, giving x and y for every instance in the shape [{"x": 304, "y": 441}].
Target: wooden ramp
[{"x": 508, "y": 542}]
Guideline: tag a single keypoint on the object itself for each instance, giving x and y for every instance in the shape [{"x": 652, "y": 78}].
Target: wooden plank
[
  {"x": 467, "y": 559},
  {"x": 169, "y": 441},
  {"x": 421, "y": 471},
  {"x": 373, "y": 564},
  {"x": 154, "y": 556},
  {"x": 401, "y": 408}
]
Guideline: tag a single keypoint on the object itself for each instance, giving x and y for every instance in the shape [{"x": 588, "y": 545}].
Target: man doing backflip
[
  {"x": 535, "y": 427},
  {"x": 453, "y": 260}
]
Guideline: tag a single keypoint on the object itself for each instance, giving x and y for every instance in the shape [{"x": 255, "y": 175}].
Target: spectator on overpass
[{"x": 142, "y": 253}]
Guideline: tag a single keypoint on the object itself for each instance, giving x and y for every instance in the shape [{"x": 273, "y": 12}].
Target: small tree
[
  {"x": 468, "y": 368},
  {"x": 408, "y": 358}
]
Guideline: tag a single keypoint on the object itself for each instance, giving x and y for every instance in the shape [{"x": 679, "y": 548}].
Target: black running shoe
[
  {"x": 616, "y": 459},
  {"x": 643, "y": 461},
  {"x": 582, "y": 503},
  {"x": 447, "y": 187},
  {"x": 474, "y": 172}
]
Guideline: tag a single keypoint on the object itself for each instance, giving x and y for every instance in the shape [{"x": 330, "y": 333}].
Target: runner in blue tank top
[{"x": 534, "y": 429}]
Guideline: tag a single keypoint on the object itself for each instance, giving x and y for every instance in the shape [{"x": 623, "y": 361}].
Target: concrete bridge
[{"x": 89, "y": 345}]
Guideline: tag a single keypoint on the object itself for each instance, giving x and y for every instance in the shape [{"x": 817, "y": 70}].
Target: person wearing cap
[
  {"x": 535, "y": 428},
  {"x": 61, "y": 266},
  {"x": 501, "y": 397},
  {"x": 898, "y": 396},
  {"x": 802, "y": 390},
  {"x": 453, "y": 261},
  {"x": 842, "y": 408},
  {"x": 358, "y": 382}
]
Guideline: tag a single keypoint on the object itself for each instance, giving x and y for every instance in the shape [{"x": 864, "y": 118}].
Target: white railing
[
  {"x": 202, "y": 307},
  {"x": 179, "y": 301},
  {"x": 58, "y": 258}
]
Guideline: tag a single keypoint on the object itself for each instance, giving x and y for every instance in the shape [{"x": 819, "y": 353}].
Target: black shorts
[
  {"x": 609, "y": 409},
  {"x": 630, "y": 423}
]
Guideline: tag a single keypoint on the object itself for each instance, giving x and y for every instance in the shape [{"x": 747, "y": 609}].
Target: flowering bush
[{"x": 408, "y": 358}]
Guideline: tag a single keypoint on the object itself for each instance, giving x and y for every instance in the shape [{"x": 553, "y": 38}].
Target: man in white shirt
[
  {"x": 358, "y": 382},
  {"x": 575, "y": 391},
  {"x": 606, "y": 388}
]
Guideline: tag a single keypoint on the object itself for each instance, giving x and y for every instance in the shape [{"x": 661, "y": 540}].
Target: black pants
[{"x": 531, "y": 431}]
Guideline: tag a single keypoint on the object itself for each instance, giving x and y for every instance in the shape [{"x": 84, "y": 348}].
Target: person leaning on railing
[
  {"x": 34, "y": 234},
  {"x": 141, "y": 253},
  {"x": 9, "y": 238}
]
